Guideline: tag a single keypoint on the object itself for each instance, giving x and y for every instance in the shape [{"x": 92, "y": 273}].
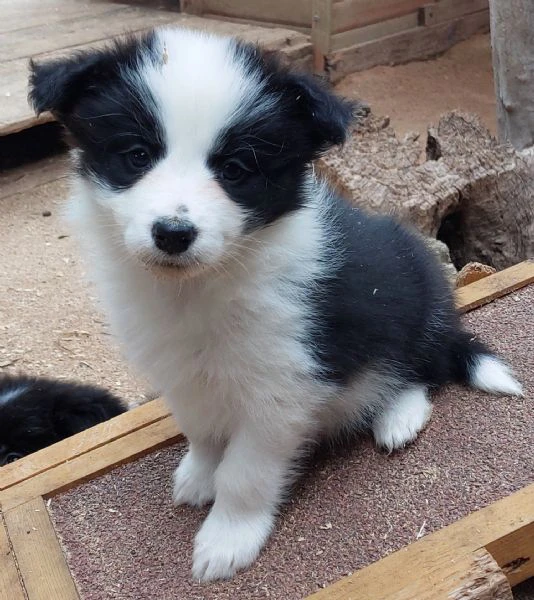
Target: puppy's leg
[
  {"x": 402, "y": 418},
  {"x": 249, "y": 483},
  {"x": 193, "y": 481}
]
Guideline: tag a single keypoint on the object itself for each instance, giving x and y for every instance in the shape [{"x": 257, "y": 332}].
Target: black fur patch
[
  {"x": 107, "y": 112},
  {"x": 37, "y": 412}
]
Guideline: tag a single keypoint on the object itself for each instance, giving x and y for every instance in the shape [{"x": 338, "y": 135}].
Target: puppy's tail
[{"x": 476, "y": 366}]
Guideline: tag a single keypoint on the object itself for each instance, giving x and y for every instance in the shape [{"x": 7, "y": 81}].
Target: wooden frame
[{"x": 479, "y": 557}]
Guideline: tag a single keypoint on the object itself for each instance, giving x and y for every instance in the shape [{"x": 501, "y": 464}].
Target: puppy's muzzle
[{"x": 173, "y": 236}]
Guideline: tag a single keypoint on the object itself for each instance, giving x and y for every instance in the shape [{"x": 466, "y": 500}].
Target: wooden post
[
  {"x": 512, "y": 24},
  {"x": 321, "y": 34}
]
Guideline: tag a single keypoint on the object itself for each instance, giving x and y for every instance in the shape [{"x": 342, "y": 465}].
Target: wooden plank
[
  {"x": 414, "y": 44},
  {"x": 279, "y": 11},
  {"x": 73, "y": 32},
  {"x": 10, "y": 583},
  {"x": 83, "y": 442},
  {"x": 81, "y": 468},
  {"x": 514, "y": 553},
  {"x": 398, "y": 576},
  {"x": 445, "y": 10},
  {"x": 40, "y": 560},
  {"x": 494, "y": 286},
  {"x": 24, "y": 14},
  {"x": 16, "y": 115},
  {"x": 351, "y": 14},
  {"x": 321, "y": 33},
  {"x": 373, "y": 32}
]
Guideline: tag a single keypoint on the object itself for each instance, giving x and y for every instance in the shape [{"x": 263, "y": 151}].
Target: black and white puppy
[
  {"x": 266, "y": 310},
  {"x": 36, "y": 412}
]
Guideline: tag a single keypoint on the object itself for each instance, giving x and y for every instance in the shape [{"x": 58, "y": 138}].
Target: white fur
[
  {"x": 402, "y": 418},
  {"x": 226, "y": 351},
  {"x": 221, "y": 332},
  {"x": 492, "y": 375}
]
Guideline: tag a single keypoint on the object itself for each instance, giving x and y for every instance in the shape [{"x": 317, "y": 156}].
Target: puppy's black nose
[{"x": 173, "y": 237}]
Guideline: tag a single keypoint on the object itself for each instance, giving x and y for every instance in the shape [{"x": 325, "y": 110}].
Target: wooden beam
[
  {"x": 321, "y": 33},
  {"x": 512, "y": 24},
  {"x": 494, "y": 286},
  {"x": 10, "y": 583},
  {"x": 91, "y": 464},
  {"x": 82, "y": 443},
  {"x": 441, "y": 565},
  {"x": 350, "y": 14},
  {"x": 445, "y": 10},
  {"x": 414, "y": 44},
  {"x": 40, "y": 560},
  {"x": 370, "y": 33}
]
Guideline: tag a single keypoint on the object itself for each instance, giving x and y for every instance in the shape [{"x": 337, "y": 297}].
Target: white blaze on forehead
[{"x": 199, "y": 86}]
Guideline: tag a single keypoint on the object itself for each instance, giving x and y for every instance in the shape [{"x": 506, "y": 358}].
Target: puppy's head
[{"x": 188, "y": 141}]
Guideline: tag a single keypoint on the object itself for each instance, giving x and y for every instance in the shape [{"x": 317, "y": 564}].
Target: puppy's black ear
[
  {"x": 327, "y": 115},
  {"x": 56, "y": 85}
]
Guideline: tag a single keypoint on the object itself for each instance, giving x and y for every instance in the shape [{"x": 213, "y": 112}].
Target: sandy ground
[
  {"x": 49, "y": 323},
  {"x": 416, "y": 94}
]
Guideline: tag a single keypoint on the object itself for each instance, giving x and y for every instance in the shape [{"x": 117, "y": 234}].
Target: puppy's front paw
[
  {"x": 193, "y": 482},
  {"x": 224, "y": 545}
]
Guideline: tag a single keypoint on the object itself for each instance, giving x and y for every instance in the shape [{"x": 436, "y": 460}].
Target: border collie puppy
[
  {"x": 267, "y": 311},
  {"x": 37, "y": 412}
]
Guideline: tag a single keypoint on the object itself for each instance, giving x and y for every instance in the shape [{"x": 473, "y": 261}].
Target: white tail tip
[{"x": 492, "y": 375}]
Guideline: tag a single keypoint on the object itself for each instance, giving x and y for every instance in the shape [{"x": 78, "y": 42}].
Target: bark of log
[
  {"x": 471, "y": 192},
  {"x": 512, "y": 24}
]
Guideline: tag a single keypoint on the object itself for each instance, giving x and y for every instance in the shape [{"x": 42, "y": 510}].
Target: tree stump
[{"x": 471, "y": 192}]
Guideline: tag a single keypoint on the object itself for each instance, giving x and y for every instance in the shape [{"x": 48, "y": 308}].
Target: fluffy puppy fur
[
  {"x": 37, "y": 412},
  {"x": 267, "y": 310}
]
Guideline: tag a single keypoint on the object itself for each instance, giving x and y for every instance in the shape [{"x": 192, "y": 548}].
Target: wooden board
[
  {"x": 64, "y": 475},
  {"x": 82, "y": 443},
  {"x": 376, "y": 31},
  {"x": 78, "y": 26},
  {"x": 439, "y": 556},
  {"x": 414, "y": 44},
  {"x": 445, "y": 10},
  {"x": 494, "y": 286},
  {"x": 350, "y": 14},
  {"x": 41, "y": 563},
  {"x": 10, "y": 584}
]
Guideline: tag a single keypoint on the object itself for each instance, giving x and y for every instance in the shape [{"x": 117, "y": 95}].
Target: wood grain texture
[
  {"x": 373, "y": 32},
  {"x": 278, "y": 11},
  {"x": 39, "y": 557},
  {"x": 415, "y": 44},
  {"x": 44, "y": 41},
  {"x": 82, "y": 443},
  {"x": 514, "y": 553},
  {"x": 446, "y": 558},
  {"x": 445, "y": 10},
  {"x": 91, "y": 464},
  {"x": 512, "y": 23},
  {"x": 321, "y": 33},
  {"x": 10, "y": 583},
  {"x": 350, "y": 14},
  {"x": 494, "y": 286}
]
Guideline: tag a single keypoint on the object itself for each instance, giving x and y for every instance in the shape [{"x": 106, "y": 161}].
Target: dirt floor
[
  {"x": 416, "y": 94},
  {"x": 48, "y": 321}
]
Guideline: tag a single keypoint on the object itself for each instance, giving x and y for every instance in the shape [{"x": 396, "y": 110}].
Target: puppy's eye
[
  {"x": 233, "y": 170},
  {"x": 138, "y": 158}
]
